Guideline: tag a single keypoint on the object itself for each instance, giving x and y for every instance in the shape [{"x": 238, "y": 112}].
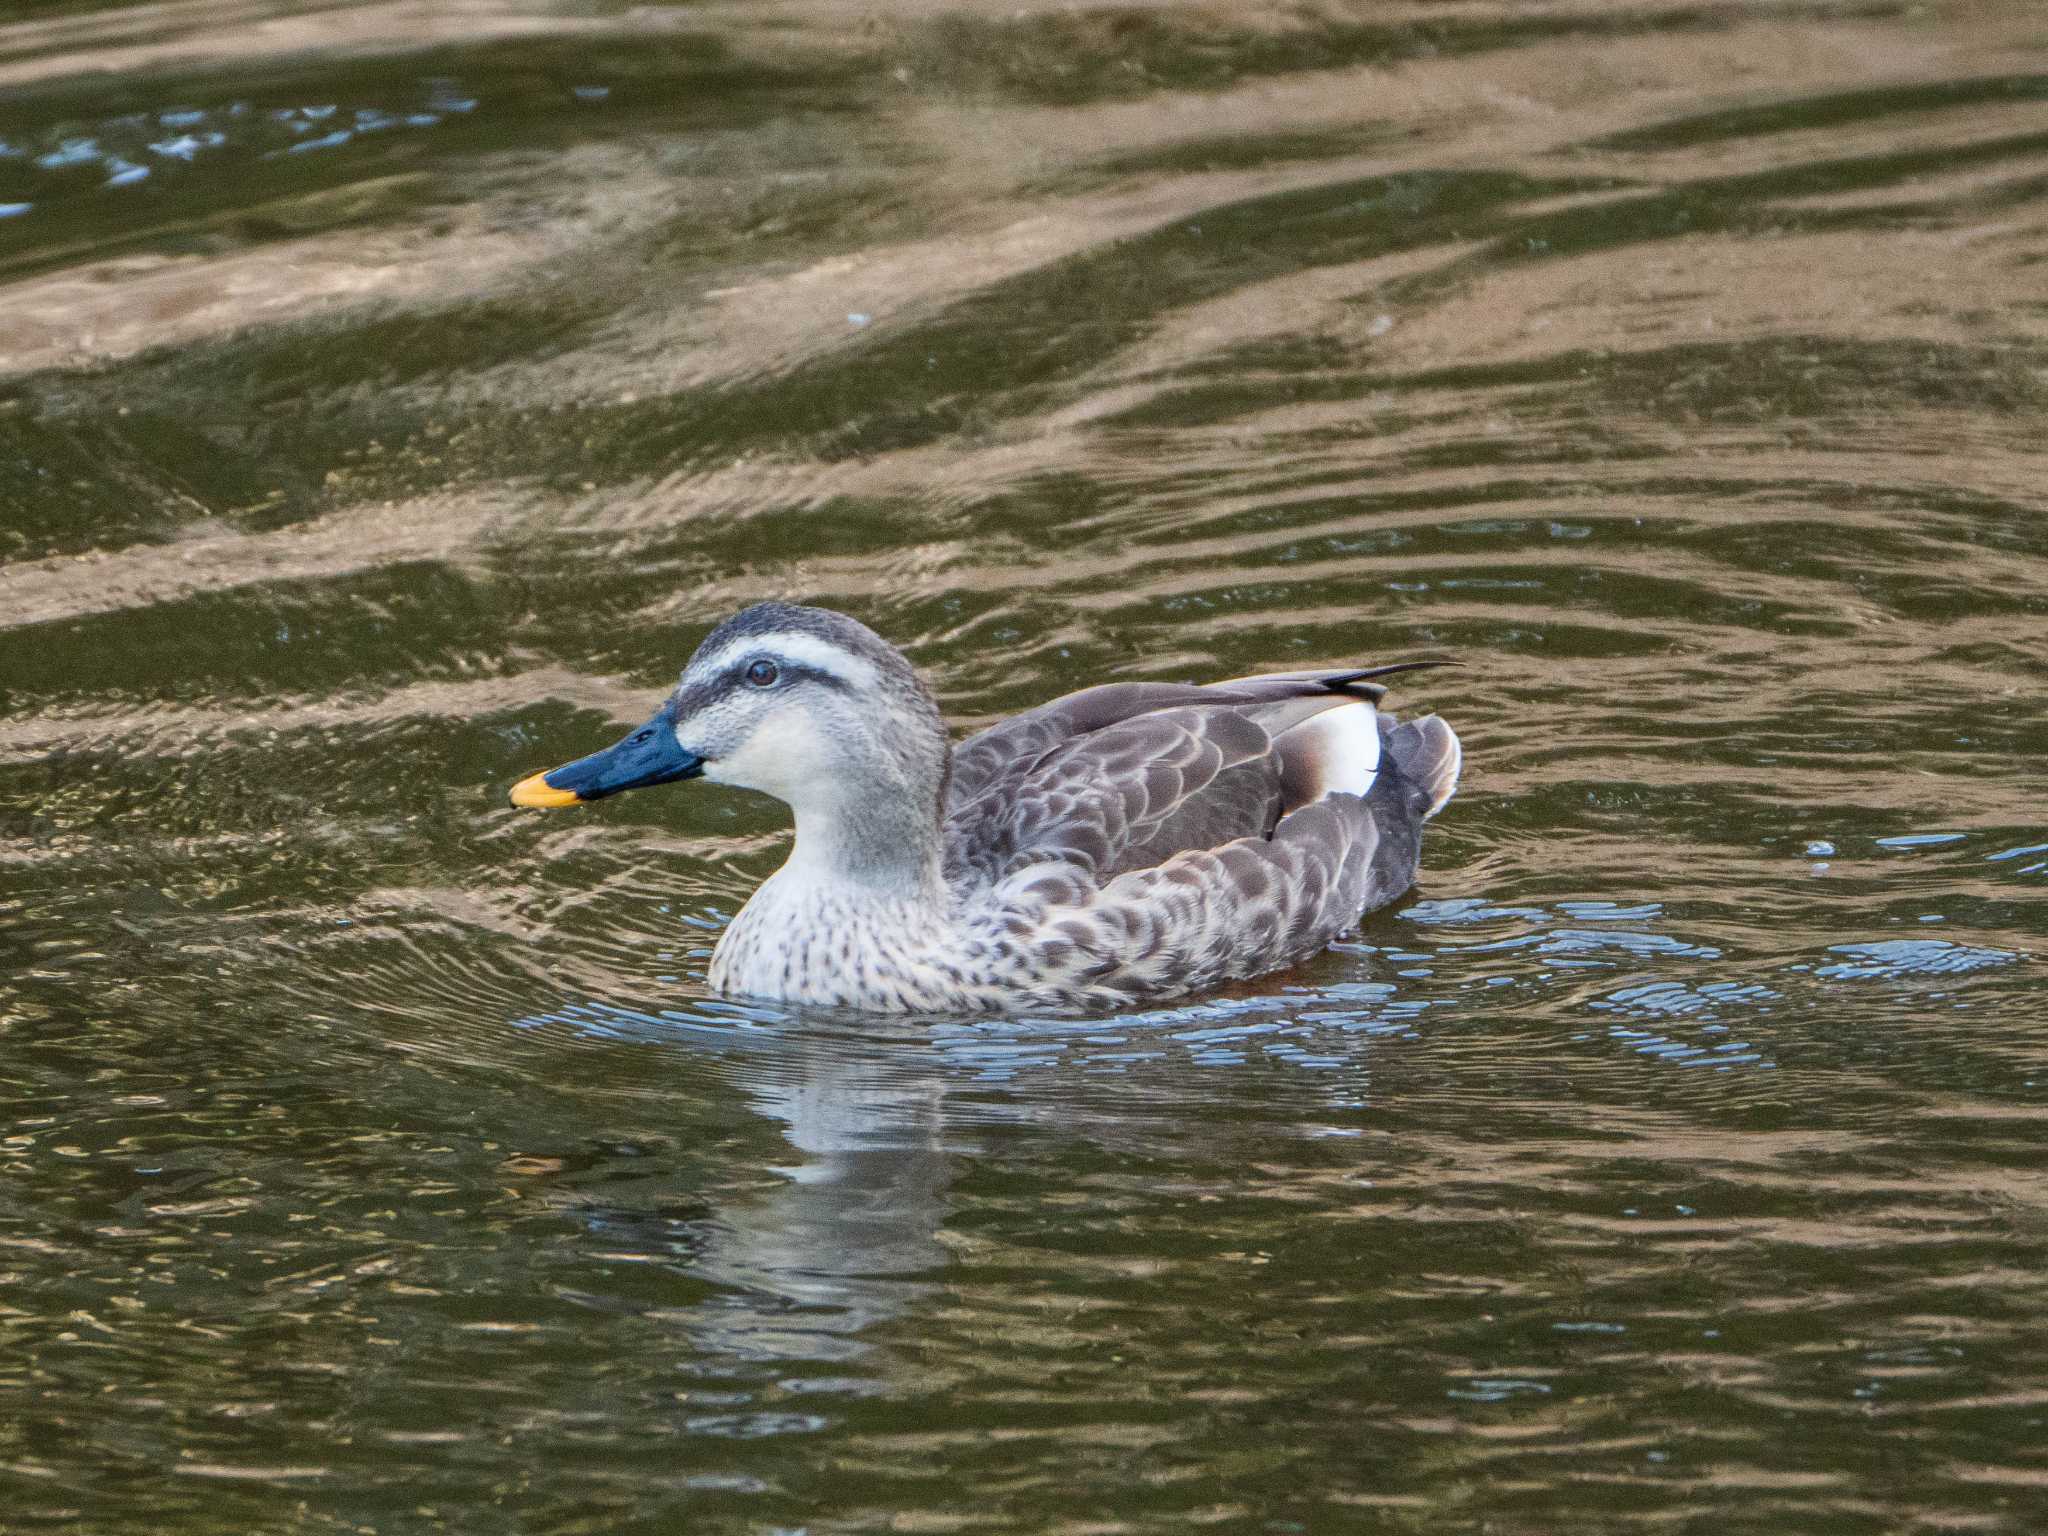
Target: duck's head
[{"x": 804, "y": 704}]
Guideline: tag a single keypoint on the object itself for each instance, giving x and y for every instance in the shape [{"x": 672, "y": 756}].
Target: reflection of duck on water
[
  {"x": 1136, "y": 840},
  {"x": 851, "y": 1237},
  {"x": 846, "y": 1234}
]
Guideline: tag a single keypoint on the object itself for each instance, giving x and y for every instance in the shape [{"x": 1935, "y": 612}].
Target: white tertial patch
[
  {"x": 794, "y": 645},
  {"x": 1335, "y": 752}
]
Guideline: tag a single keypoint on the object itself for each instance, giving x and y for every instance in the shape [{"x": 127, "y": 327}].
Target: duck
[{"x": 1131, "y": 842}]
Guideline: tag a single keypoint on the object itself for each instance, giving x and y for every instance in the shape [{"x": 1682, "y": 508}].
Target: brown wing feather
[
  {"x": 1212, "y": 914},
  {"x": 1129, "y": 793},
  {"x": 1009, "y": 751},
  {"x": 1117, "y": 779}
]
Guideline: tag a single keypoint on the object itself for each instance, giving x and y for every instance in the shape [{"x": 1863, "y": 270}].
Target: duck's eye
[{"x": 762, "y": 674}]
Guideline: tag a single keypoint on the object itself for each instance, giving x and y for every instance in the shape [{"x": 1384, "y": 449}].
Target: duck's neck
[
  {"x": 856, "y": 911},
  {"x": 888, "y": 853},
  {"x": 849, "y": 920}
]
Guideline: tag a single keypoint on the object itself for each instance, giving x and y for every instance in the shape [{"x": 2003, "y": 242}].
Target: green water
[{"x": 372, "y": 1156}]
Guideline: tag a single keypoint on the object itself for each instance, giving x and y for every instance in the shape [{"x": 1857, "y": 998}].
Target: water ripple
[{"x": 393, "y": 398}]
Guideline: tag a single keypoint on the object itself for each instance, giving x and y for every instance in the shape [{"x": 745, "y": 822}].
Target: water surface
[{"x": 374, "y": 1156}]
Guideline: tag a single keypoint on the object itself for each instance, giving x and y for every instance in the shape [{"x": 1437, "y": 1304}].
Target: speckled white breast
[{"x": 846, "y": 947}]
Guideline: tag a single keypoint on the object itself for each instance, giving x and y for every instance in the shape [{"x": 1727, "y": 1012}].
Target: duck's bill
[{"x": 649, "y": 755}]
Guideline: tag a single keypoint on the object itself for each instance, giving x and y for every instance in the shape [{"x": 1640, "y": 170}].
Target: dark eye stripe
[
  {"x": 735, "y": 676},
  {"x": 796, "y": 672}
]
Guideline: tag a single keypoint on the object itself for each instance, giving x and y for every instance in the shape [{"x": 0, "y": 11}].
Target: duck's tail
[{"x": 1428, "y": 752}]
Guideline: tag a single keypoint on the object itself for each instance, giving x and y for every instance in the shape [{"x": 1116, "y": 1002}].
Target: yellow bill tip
[{"x": 539, "y": 794}]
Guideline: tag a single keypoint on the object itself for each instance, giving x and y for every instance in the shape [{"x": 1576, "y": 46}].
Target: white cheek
[{"x": 782, "y": 757}]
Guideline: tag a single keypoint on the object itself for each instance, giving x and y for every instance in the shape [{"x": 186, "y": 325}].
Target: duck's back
[{"x": 1142, "y": 840}]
